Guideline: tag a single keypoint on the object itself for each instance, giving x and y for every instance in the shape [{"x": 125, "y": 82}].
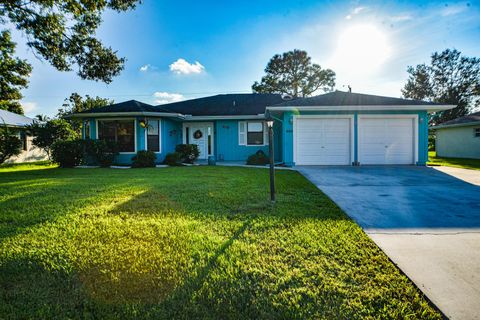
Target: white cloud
[
  {"x": 357, "y": 10},
  {"x": 166, "y": 97},
  {"x": 145, "y": 67},
  {"x": 181, "y": 66},
  {"x": 451, "y": 10},
  {"x": 29, "y": 106},
  {"x": 354, "y": 12}
]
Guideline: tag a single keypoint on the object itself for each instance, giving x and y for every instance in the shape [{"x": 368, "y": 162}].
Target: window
[
  {"x": 86, "y": 128},
  {"x": 153, "y": 136},
  {"x": 476, "y": 132},
  {"x": 252, "y": 133},
  {"x": 120, "y": 131},
  {"x": 24, "y": 139}
]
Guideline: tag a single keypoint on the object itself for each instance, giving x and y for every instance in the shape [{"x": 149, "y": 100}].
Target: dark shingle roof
[
  {"x": 340, "y": 98},
  {"x": 470, "y": 118},
  {"x": 126, "y": 106},
  {"x": 225, "y": 104}
]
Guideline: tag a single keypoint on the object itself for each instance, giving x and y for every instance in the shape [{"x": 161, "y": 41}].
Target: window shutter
[
  {"x": 265, "y": 134},
  {"x": 242, "y": 133}
]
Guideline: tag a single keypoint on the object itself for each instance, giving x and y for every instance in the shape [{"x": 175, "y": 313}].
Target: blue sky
[{"x": 186, "y": 49}]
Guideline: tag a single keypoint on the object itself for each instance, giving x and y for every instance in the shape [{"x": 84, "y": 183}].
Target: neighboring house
[
  {"x": 337, "y": 128},
  {"x": 459, "y": 138},
  {"x": 17, "y": 123}
]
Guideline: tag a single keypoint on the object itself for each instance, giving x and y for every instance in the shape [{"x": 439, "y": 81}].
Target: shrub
[
  {"x": 51, "y": 131},
  {"x": 259, "y": 158},
  {"x": 10, "y": 145},
  {"x": 173, "y": 159},
  {"x": 188, "y": 152},
  {"x": 100, "y": 152},
  {"x": 68, "y": 153},
  {"x": 144, "y": 159}
]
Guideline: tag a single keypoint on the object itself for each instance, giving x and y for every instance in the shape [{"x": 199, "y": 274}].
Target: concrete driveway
[{"x": 426, "y": 219}]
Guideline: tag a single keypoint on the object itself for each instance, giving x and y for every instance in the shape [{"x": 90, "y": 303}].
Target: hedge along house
[{"x": 337, "y": 128}]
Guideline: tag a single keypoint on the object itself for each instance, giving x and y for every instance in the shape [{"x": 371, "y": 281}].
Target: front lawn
[
  {"x": 433, "y": 160},
  {"x": 189, "y": 243}
]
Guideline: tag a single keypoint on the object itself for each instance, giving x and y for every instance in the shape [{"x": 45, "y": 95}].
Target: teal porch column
[
  {"x": 287, "y": 139},
  {"x": 141, "y": 132}
]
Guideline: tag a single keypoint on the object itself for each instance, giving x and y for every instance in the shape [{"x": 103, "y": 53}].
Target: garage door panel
[
  {"x": 386, "y": 140},
  {"x": 323, "y": 141}
]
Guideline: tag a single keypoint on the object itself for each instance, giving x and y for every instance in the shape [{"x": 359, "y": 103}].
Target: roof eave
[
  {"x": 125, "y": 114},
  {"x": 428, "y": 107},
  {"x": 465, "y": 124},
  {"x": 225, "y": 117}
]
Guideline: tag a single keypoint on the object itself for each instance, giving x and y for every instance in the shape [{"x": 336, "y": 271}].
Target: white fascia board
[
  {"x": 125, "y": 114},
  {"x": 430, "y": 108},
  {"x": 202, "y": 118},
  {"x": 466, "y": 124}
]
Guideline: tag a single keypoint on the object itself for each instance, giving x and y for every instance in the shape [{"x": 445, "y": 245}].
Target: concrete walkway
[{"x": 427, "y": 220}]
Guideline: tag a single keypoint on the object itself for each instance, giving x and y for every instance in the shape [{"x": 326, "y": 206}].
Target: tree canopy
[
  {"x": 76, "y": 103},
  {"x": 294, "y": 74},
  {"x": 450, "y": 78},
  {"x": 63, "y": 33},
  {"x": 10, "y": 144},
  {"x": 14, "y": 74}
]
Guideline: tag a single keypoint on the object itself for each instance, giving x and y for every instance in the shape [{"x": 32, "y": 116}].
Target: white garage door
[
  {"x": 322, "y": 141},
  {"x": 386, "y": 140}
]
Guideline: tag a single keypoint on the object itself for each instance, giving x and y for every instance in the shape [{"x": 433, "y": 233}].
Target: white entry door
[
  {"x": 386, "y": 140},
  {"x": 323, "y": 141},
  {"x": 200, "y": 134}
]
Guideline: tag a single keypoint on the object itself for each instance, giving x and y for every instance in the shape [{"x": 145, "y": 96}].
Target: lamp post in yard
[{"x": 271, "y": 158}]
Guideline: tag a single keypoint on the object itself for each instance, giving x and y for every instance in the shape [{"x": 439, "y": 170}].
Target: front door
[{"x": 198, "y": 136}]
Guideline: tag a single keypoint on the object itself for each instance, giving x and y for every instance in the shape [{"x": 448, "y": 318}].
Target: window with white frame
[
  {"x": 120, "y": 131},
  {"x": 476, "y": 132},
  {"x": 153, "y": 136},
  {"x": 252, "y": 133}
]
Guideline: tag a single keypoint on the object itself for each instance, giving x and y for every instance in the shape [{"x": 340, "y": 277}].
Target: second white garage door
[
  {"x": 323, "y": 141},
  {"x": 384, "y": 140}
]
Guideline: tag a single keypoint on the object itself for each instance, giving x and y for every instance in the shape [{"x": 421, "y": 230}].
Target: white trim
[
  {"x": 264, "y": 132},
  {"x": 466, "y": 124},
  {"x": 415, "y": 125},
  {"x": 159, "y": 135},
  {"x": 204, "y": 125},
  {"x": 120, "y": 114},
  {"x": 351, "y": 117},
  {"x": 134, "y": 131},
  {"x": 225, "y": 117},
  {"x": 418, "y": 107}
]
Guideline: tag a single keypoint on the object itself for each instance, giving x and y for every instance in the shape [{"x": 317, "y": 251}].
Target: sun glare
[{"x": 361, "y": 48}]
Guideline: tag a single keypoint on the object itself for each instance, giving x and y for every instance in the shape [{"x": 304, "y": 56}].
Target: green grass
[
  {"x": 188, "y": 243},
  {"x": 453, "y": 162}
]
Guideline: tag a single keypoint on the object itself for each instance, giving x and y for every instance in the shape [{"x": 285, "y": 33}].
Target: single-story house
[
  {"x": 17, "y": 123},
  {"x": 459, "y": 138},
  {"x": 337, "y": 128}
]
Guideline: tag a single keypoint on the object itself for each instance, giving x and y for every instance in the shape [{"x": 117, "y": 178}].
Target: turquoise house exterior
[{"x": 337, "y": 128}]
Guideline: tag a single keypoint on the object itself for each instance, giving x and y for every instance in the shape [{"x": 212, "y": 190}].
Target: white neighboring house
[
  {"x": 459, "y": 138},
  {"x": 17, "y": 124}
]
